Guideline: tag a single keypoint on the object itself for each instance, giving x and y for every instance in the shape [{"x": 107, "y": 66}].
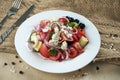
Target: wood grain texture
[{"x": 103, "y": 13}]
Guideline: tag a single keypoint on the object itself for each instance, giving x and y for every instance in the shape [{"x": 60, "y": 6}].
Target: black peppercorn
[
  {"x": 115, "y": 35},
  {"x": 5, "y": 64},
  {"x": 13, "y": 63},
  {"x": 83, "y": 74},
  {"x": 21, "y": 72},
  {"x": 16, "y": 56},
  {"x": 20, "y": 61},
  {"x": 97, "y": 68}
]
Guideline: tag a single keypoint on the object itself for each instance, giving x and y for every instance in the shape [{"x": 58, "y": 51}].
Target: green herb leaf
[
  {"x": 52, "y": 52},
  {"x": 72, "y": 24}
]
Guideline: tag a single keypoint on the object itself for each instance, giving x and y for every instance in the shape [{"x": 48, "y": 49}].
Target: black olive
[
  {"x": 67, "y": 17},
  {"x": 76, "y": 20},
  {"x": 70, "y": 18},
  {"x": 82, "y": 26}
]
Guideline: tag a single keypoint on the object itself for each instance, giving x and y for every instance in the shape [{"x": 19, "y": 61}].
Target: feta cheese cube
[{"x": 64, "y": 45}]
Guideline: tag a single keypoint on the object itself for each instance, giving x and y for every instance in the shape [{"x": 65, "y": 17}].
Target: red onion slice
[
  {"x": 70, "y": 31},
  {"x": 30, "y": 45},
  {"x": 67, "y": 56},
  {"x": 37, "y": 28},
  {"x": 56, "y": 22}
]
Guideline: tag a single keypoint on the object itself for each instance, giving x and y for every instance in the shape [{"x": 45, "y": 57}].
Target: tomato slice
[
  {"x": 75, "y": 37},
  {"x": 80, "y": 33},
  {"x": 55, "y": 58},
  {"x": 38, "y": 33},
  {"x": 43, "y": 23},
  {"x": 73, "y": 52},
  {"x": 77, "y": 46},
  {"x": 63, "y": 20},
  {"x": 44, "y": 51},
  {"x": 64, "y": 37}
]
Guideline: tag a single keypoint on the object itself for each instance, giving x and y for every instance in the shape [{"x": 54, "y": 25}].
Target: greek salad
[{"x": 58, "y": 39}]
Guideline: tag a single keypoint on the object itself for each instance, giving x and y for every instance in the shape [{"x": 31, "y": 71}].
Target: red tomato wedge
[
  {"x": 77, "y": 46},
  {"x": 73, "y": 52},
  {"x": 80, "y": 33},
  {"x": 43, "y": 23},
  {"x": 75, "y": 37},
  {"x": 44, "y": 51},
  {"x": 64, "y": 37},
  {"x": 63, "y": 56},
  {"x": 63, "y": 20},
  {"x": 54, "y": 58}
]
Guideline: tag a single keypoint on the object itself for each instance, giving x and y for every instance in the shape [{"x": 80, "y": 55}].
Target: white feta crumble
[
  {"x": 64, "y": 45},
  {"x": 35, "y": 39},
  {"x": 69, "y": 35},
  {"x": 46, "y": 29},
  {"x": 56, "y": 36},
  {"x": 56, "y": 29},
  {"x": 55, "y": 39},
  {"x": 53, "y": 42},
  {"x": 70, "y": 28}
]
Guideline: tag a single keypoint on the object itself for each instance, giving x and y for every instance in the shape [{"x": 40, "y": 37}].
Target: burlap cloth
[{"x": 105, "y": 14}]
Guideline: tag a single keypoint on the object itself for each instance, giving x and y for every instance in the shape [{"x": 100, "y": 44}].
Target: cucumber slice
[
  {"x": 37, "y": 43},
  {"x": 32, "y": 36},
  {"x": 37, "y": 46},
  {"x": 83, "y": 41},
  {"x": 73, "y": 24}
]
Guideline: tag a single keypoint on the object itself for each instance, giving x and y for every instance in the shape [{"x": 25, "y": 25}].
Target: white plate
[{"x": 39, "y": 63}]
